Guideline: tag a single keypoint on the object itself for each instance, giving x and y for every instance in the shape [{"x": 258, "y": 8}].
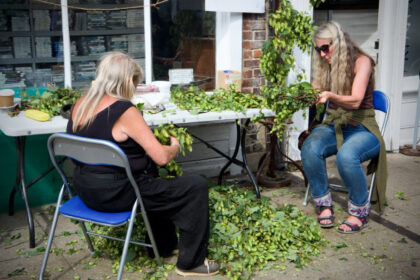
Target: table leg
[
  {"x": 21, "y": 187},
  {"x": 240, "y": 142},
  {"x": 248, "y": 169},
  {"x": 235, "y": 153}
]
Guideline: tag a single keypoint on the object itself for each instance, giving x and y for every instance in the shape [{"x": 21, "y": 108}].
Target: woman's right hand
[
  {"x": 323, "y": 97},
  {"x": 175, "y": 142},
  {"x": 132, "y": 125}
]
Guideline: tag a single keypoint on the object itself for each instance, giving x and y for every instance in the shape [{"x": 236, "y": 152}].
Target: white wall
[
  {"x": 409, "y": 107},
  {"x": 228, "y": 41},
  {"x": 303, "y": 61},
  {"x": 229, "y": 56},
  {"x": 392, "y": 35}
]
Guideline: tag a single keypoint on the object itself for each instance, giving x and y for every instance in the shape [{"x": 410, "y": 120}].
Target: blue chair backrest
[{"x": 380, "y": 101}]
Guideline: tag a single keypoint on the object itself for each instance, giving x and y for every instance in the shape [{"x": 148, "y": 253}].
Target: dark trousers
[{"x": 180, "y": 202}]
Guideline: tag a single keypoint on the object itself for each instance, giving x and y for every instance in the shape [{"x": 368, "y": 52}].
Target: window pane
[
  {"x": 183, "y": 36},
  {"x": 412, "y": 48}
]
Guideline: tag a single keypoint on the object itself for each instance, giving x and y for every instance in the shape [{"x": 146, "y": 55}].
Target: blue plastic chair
[
  {"x": 380, "y": 103},
  {"x": 94, "y": 152}
]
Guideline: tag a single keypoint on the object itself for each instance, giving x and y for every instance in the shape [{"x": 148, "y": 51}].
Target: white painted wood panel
[
  {"x": 203, "y": 160},
  {"x": 361, "y": 25},
  {"x": 201, "y": 152},
  {"x": 208, "y": 168},
  {"x": 409, "y": 106}
]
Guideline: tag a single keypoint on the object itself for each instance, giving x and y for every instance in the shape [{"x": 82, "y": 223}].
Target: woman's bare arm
[
  {"x": 131, "y": 124},
  {"x": 362, "y": 69}
]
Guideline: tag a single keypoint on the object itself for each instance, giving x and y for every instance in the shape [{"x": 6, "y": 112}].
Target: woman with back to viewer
[
  {"x": 106, "y": 112},
  {"x": 345, "y": 76}
]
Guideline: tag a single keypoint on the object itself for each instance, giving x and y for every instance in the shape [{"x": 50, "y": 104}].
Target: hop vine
[
  {"x": 290, "y": 28},
  {"x": 163, "y": 133},
  {"x": 246, "y": 235}
]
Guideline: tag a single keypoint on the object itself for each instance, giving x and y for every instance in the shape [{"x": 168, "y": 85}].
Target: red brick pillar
[
  {"x": 254, "y": 32},
  {"x": 254, "y": 35}
]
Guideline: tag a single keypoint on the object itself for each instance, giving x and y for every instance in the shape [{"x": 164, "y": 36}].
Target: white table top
[{"x": 20, "y": 125}]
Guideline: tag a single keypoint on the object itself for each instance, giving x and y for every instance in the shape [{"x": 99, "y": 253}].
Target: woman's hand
[
  {"x": 323, "y": 97},
  {"x": 132, "y": 125},
  {"x": 175, "y": 142},
  {"x": 362, "y": 73}
]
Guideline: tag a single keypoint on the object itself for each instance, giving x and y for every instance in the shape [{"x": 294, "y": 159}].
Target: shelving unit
[{"x": 31, "y": 54}]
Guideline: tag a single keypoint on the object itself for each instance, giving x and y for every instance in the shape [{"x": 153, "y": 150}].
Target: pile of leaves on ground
[{"x": 246, "y": 235}]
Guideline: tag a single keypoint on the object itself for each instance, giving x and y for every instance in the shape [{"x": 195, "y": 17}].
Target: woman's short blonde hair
[{"x": 116, "y": 75}]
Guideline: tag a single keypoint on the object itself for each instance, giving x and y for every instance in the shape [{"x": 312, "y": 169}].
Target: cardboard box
[{"x": 227, "y": 77}]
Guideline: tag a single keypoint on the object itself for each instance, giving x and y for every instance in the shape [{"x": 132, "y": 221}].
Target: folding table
[{"x": 20, "y": 127}]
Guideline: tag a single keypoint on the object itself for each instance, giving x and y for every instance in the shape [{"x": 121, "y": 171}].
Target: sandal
[
  {"x": 319, "y": 210},
  {"x": 354, "y": 227}
]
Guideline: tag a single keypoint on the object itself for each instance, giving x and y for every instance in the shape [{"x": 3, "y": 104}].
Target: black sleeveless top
[{"x": 101, "y": 128}]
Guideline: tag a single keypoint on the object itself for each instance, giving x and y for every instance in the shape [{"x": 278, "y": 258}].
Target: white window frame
[{"x": 228, "y": 42}]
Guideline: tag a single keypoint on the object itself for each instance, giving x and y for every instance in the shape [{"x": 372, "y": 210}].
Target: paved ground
[{"x": 388, "y": 249}]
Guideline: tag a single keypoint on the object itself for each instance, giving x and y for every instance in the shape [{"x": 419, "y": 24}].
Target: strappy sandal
[
  {"x": 319, "y": 210},
  {"x": 354, "y": 227}
]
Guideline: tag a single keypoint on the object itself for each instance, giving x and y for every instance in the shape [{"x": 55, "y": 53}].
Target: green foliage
[
  {"x": 50, "y": 101},
  {"x": 339, "y": 246},
  {"x": 197, "y": 100},
  {"x": 8, "y": 238},
  {"x": 400, "y": 195},
  {"x": 316, "y": 3},
  {"x": 140, "y": 106},
  {"x": 18, "y": 272},
  {"x": 246, "y": 235},
  {"x": 163, "y": 133},
  {"x": 291, "y": 28},
  {"x": 286, "y": 101}
]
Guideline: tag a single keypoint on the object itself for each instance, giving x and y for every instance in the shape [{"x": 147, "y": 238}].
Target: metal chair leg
[
  {"x": 126, "y": 244},
  {"x": 305, "y": 201},
  {"x": 87, "y": 237},
  {"x": 372, "y": 182},
  {"x": 150, "y": 233},
  {"x": 51, "y": 235}
]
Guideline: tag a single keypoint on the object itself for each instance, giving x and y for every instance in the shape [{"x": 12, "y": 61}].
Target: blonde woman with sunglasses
[{"x": 345, "y": 75}]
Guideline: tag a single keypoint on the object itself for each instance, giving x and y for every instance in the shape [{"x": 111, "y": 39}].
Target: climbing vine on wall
[{"x": 291, "y": 29}]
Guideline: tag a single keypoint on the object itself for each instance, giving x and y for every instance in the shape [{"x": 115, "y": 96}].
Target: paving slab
[{"x": 387, "y": 249}]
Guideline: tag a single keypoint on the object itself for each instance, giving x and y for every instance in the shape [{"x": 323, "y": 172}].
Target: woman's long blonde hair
[
  {"x": 337, "y": 77},
  {"x": 115, "y": 76}
]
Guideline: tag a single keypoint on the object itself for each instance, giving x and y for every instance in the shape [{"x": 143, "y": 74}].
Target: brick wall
[{"x": 254, "y": 35}]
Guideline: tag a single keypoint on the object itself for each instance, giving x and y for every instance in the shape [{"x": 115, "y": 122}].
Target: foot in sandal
[
  {"x": 353, "y": 224},
  {"x": 326, "y": 216}
]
